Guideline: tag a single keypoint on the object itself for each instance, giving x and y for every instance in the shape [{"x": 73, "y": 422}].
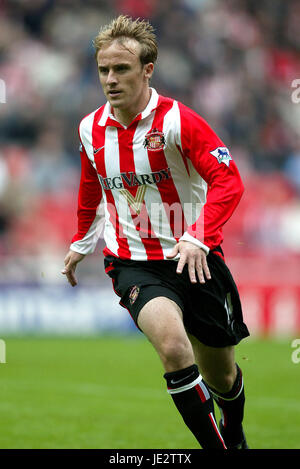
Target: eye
[
  {"x": 122, "y": 68},
  {"x": 103, "y": 70}
]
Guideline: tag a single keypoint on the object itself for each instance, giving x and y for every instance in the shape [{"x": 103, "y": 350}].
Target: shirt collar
[{"x": 108, "y": 118}]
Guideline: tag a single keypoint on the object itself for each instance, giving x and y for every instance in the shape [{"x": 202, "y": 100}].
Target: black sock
[
  {"x": 231, "y": 405},
  {"x": 195, "y": 405}
]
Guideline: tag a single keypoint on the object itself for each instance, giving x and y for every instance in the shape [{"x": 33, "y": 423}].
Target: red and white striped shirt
[{"x": 165, "y": 177}]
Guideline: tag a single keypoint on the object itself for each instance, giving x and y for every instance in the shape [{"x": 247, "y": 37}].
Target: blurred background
[{"x": 235, "y": 62}]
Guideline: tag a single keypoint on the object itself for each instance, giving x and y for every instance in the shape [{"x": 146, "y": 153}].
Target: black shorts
[{"x": 212, "y": 311}]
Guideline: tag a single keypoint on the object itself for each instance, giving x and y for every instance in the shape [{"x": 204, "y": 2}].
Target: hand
[
  {"x": 71, "y": 261},
  {"x": 195, "y": 257}
]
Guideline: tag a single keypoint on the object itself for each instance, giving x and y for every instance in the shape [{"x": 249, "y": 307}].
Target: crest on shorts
[
  {"x": 134, "y": 293},
  {"x": 154, "y": 140},
  {"x": 222, "y": 154}
]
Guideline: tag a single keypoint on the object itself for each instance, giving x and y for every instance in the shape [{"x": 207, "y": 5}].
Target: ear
[{"x": 148, "y": 70}]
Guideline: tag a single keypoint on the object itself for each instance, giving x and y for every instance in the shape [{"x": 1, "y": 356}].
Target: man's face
[{"x": 123, "y": 78}]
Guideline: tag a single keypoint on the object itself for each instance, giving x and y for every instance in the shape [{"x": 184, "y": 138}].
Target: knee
[
  {"x": 176, "y": 353},
  {"x": 222, "y": 383}
]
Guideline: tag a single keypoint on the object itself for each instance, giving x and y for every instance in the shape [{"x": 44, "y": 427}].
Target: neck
[{"x": 126, "y": 116}]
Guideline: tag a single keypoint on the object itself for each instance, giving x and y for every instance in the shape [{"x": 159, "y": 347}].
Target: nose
[{"x": 111, "y": 78}]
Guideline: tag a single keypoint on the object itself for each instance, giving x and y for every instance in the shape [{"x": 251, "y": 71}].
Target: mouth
[{"x": 114, "y": 93}]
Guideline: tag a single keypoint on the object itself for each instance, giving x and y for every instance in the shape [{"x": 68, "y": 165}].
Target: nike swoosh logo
[
  {"x": 179, "y": 380},
  {"x": 98, "y": 149}
]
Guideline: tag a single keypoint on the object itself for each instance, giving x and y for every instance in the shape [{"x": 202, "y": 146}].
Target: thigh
[
  {"x": 161, "y": 321},
  {"x": 138, "y": 282},
  {"x": 215, "y": 313},
  {"x": 216, "y": 364}
]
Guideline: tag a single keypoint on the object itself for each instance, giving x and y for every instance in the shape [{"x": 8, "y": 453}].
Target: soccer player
[{"x": 163, "y": 184}]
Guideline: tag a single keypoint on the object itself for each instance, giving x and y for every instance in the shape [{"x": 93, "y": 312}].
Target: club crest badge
[
  {"x": 134, "y": 293},
  {"x": 222, "y": 154},
  {"x": 154, "y": 140}
]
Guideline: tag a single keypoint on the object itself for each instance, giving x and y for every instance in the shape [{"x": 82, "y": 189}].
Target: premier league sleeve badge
[{"x": 222, "y": 154}]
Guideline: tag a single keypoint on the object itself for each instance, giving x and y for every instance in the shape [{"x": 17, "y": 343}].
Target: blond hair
[{"x": 123, "y": 28}]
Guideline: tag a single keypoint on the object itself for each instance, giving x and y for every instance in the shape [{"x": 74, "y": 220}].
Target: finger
[
  {"x": 173, "y": 253},
  {"x": 206, "y": 269},
  {"x": 71, "y": 278},
  {"x": 192, "y": 273},
  {"x": 181, "y": 263},
  {"x": 67, "y": 259},
  {"x": 69, "y": 271},
  {"x": 200, "y": 272}
]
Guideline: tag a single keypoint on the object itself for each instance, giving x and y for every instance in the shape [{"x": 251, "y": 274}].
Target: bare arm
[{"x": 71, "y": 261}]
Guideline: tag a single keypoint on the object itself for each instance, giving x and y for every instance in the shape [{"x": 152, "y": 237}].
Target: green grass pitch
[{"x": 108, "y": 392}]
